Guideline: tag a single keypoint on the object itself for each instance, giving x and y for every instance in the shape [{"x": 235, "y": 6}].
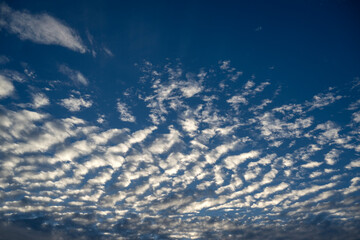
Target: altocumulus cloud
[{"x": 218, "y": 169}]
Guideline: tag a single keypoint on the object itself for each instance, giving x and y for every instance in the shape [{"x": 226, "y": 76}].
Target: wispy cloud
[
  {"x": 74, "y": 75},
  {"x": 125, "y": 114},
  {"x": 108, "y": 51},
  {"x": 40, "y": 28},
  {"x": 4, "y": 59}
]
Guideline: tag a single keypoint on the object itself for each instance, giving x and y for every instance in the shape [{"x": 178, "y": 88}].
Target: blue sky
[{"x": 179, "y": 120}]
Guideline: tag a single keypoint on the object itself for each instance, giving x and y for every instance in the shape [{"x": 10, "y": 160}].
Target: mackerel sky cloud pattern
[{"x": 145, "y": 138}]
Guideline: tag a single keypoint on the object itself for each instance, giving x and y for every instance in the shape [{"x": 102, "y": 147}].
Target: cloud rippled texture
[{"x": 211, "y": 162}]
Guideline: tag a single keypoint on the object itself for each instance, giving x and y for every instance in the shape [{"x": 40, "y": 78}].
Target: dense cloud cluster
[
  {"x": 204, "y": 154},
  {"x": 207, "y": 165}
]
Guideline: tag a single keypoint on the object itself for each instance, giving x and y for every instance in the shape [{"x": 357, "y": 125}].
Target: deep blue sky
[
  {"x": 179, "y": 120},
  {"x": 297, "y": 37}
]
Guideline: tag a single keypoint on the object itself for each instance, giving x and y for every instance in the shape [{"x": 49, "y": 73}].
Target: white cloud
[
  {"x": 236, "y": 100},
  {"x": 108, "y": 52},
  {"x": 261, "y": 87},
  {"x": 216, "y": 153},
  {"x": 315, "y": 174},
  {"x": 74, "y": 75},
  {"x": 322, "y": 100},
  {"x": 40, "y": 28},
  {"x": 27, "y": 133},
  {"x": 264, "y": 103},
  {"x": 330, "y": 133},
  {"x": 224, "y": 64},
  {"x": 271, "y": 190},
  {"x": 40, "y": 100},
  {"x": 140, "y": 135},
  {"x": 189, "y": 125},
  {"x": 125, "y": 114},
  {"x": 354, "y": 105},
  {"x": 332, "y": 156},
  {"x": 311, "y": 164},
  {"x": 75, "y": 104},
  {"x": 251, "y": 173},
  {"x": 101, "y": 119},
  {"x": 102, "y": 178},
  {"x": 296, "y": 194},
  {"x": 353, "y": 164},
  {"x": 232, "y": 162},
  {"x": 274, "y": 128},
  {"x": 249, "y": 84},
  {"x": 18, "y": 124},
  {"x": 6, "y": 87},
  {"x": 136, "y": 137},
  {"x": 263, "y": 161},
  {"x": 103, "y": 137},
  {"x": 356, "y": 117},
  {"x": 354, "y": 187},
  {"x": 236, "y": 76},
  {"x": 152, "y": 171},
  {"x": 13, "y": 75},
  {"x": 165, "y": 142},
  {"x": 190, "y": 88}
]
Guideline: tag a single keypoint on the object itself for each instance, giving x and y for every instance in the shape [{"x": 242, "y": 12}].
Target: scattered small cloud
[
  {"x": 101, "y": 119},
  {"x": 125, "y": 113},
  {"x": 224, "y": 65},
  {"x": 40, "y": 100},
  {"x": 322, "y": 100},
  {"x": 356, "y": 117},
  {"x": 74, "y": 104}
]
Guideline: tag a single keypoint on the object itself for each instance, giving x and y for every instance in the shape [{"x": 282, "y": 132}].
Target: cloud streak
[
  {"x": 74, "y": 75},
  {"x": 40, "y": 28}
]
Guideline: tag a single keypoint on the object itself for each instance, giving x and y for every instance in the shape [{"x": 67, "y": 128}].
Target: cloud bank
[{"x": 194, "y": 165}]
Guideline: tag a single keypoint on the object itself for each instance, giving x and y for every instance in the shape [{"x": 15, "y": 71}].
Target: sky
[{"x": 179, "y": 119}]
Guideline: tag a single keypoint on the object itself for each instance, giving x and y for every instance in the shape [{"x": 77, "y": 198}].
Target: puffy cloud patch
[
  {"x": 40, "y": 100},
  {"x": 74, "y": 104},
  {"x": 6, "y": 87},
  {"x": 332, "y": 157}
]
